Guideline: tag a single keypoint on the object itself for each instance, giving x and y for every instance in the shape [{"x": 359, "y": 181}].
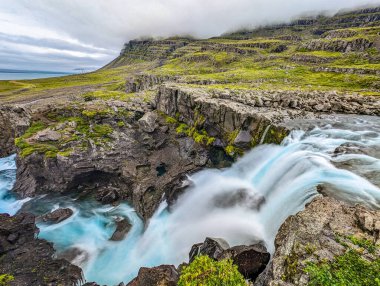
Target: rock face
[
  {"x": 14, "y": 120},
  {"x": 344, "y": 46},
  {"x": 29, "y": 260},
  {"x": 140, "y": 162},
  {"x": 221, "y": 115},
  {"x": 312, "y": 234},
  {"x": 251, "y": 260},
  {"x": 164, "y": 275},
  {"x": 57, "y": 216}
]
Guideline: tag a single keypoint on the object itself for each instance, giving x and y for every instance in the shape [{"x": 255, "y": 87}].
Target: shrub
[{"x": 207, "y": 272}]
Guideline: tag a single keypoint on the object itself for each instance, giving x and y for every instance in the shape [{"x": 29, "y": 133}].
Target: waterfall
[{"x": 243, "y": 204}]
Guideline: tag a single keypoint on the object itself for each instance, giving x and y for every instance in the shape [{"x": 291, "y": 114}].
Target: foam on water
[{"x": 245, "y": 203}]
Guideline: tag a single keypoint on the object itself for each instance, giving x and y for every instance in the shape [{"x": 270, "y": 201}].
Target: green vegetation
[
  {"x": 207, "y": 272},
  {"x": 349, "y": 269},
  {"x": 5, "y": 279},
  {"x": 75, "y": 132}
]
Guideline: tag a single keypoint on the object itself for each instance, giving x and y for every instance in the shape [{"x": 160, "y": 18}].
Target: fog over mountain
[{"x": 66, "y": 35}]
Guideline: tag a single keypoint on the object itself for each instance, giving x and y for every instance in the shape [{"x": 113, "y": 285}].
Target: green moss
[
  {"x": 347, "y": 269},
  {"x": 291, "y": 266},
  {"x": 120, "y": 124},
  {"x": 171, "y": 120},
  {"x": 232, "y": 136},
  {"x": 233, "y": 151},
  {"x": 101, "y": 130},
  {"x": 5, "y": 279},
  {"x": 362, "y": 242},
  {"x": 207, "y": 272}
]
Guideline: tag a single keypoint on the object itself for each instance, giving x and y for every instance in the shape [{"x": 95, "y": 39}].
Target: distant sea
[{"x": 9, "y": 74}]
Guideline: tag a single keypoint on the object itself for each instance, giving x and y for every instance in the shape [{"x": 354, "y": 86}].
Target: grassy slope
[{"x": 274, "y": 58}]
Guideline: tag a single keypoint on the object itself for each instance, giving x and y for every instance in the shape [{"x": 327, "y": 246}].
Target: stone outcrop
[
  {"x": 220, "y": 115},
  {"x": 163, "y": 275},
  {"x": 321, "y": 232},
  {"x": 29, "y": 260},
  {"x": 340, "y": 45},
  {"x": 250, "y": 260},
  {"x": 14, "y": 120}
]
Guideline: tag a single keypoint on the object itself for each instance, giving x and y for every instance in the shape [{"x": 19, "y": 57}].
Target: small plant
[
  {"x": 5, "y": 279},
  {"x": 207, "y": 272}
]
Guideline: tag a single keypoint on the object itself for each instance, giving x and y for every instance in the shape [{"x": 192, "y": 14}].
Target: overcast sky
[{"x": 63, "y": 35}]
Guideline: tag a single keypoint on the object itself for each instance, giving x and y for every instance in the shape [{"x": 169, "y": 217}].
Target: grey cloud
[{"x": 107, "y": 24}]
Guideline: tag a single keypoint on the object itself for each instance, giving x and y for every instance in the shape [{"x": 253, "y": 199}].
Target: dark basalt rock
[
  {"x": 29, "y": 260},
  {"x": 212, "y": 247},
  {"x": 122, "y": 228},
  {"x": 56, "y": 216},
  {"x": 163, "y": 275},
  {"x": 251, "y": 260},
  {"x": 108, "y": 196}
]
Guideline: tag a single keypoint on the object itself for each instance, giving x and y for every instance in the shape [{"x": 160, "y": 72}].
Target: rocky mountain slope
[{"x": 166, "y": 108}]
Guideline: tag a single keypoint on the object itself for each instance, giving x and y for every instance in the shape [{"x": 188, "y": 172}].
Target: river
[{"x": 243, "y": 204}]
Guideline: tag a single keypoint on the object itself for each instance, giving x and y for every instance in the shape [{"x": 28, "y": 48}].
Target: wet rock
[
  {"x": 212, "y": 247},
  {"x": 29, "y": 259},
  {"x": 163, "y": 275},
  {"x": 148, "y": 123},
  {"x": 350, "y": 148},
  {"x": 122, "y": 228},
  {"x": 108, "y": 196},
  {"x": 74, "y": 255},
  {"x": 242, "y": 197},
  {"x": 57, "y": 216}
]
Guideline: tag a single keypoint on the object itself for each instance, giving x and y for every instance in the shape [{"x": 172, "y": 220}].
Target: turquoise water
[{"x": 283, "y": 178}]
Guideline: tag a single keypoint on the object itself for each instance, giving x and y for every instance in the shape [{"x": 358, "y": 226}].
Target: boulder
[
  {"x": 148, "y": 123},
  {"x": 163, "y": 275},
  {"x": 212, "y": 247},
  {"x": 250, "y": 260},
  {"x": 56, "y": 216},
  {"x": 122, "y": 228}
]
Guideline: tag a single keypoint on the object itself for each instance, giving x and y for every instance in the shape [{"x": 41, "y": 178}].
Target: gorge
[{"x": 268, "y": 138}]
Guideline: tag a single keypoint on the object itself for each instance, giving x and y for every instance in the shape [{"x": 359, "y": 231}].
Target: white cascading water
[{"x": 243, "y": 204}]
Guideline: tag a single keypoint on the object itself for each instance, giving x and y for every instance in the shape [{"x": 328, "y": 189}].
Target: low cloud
[{"x": 64, "y": 35}]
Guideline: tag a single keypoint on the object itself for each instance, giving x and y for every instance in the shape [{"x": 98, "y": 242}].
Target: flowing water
[{"x": 243, "y": 204}]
